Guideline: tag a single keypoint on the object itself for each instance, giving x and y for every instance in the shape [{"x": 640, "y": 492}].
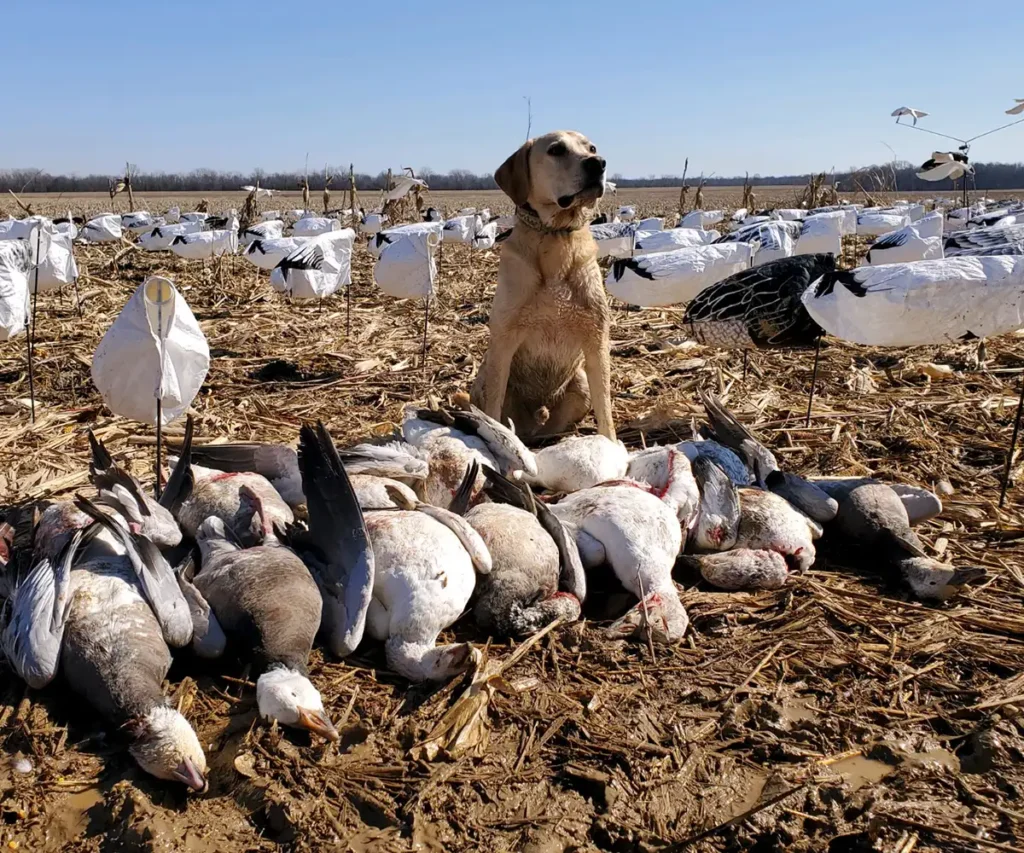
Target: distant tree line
[{"x": 989, "y": 176}]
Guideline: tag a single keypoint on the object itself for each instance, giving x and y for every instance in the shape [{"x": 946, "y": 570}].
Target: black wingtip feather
[{"x": 182, "y": 481}]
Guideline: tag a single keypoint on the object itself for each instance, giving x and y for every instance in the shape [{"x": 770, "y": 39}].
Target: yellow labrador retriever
[{"x": 549, "y": 355}]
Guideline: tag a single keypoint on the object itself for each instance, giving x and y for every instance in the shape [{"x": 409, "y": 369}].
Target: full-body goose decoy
[
  {"x": 86, "y": 611},
  {"x": 536, "y": 573},
  {"x": 923, "y": 302},
  {"x": 423, "y": 579},
  {"x": 759, "y": 308},
  {"x": 874, "y": 516},
  {"x": 579, "y": 462},
  {"x": 639, "y": 536}
]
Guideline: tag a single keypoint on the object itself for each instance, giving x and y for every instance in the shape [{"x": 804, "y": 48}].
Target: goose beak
[
  {"x": 317, "y": 722},
  {"x": 188, "y": 773}
]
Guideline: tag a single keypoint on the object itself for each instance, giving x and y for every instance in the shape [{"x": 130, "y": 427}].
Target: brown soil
[{"x": 834, "y": 715}]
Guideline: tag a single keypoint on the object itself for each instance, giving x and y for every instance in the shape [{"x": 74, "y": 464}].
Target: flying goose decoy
[
  {"x": 536, "y": 573},
  {"x": 87, "y": 611}
]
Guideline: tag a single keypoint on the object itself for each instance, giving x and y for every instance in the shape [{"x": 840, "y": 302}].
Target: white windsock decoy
[
  {"x": 311, "y": 226},
  {"x": 378, "y": 241},
  {"x": 66, "y": 226},
  {"x": 269, "y": 229},
  {"x": 57, "y": 265},
  {"x": 750, "y": 231},
  {"x": 702, "y": 218},
  {"x": 627, "y": 213},
  {"x": 930, "y": 225},
  {"x": 269, "y": 215},
  {"x": 139, "y": 221},
  {"x": 649, "y": 242},
  {"x": 160, "y": 238},
  {"x": 294, "y": 215},
  {"x": 772, "y": 244},
  {"x": 372, "y": 223},
  {"x": 173, "y": 216},
  {"x": 460, "y": 229},
  {"x": 921, "y": 303},
  {"x": 913, "y": 211},
  {"x": 153, "y": 348},
  {"x": 821, "y": 233},
  {"x": 102, "y": 229},
  {"x": 789, "y": 214},
  {"x": 669, "y": 278},
  {"x": 615, "y": 239},
  {"x": 15, "y": 263},
  {"x": 205, "y": 244},
  {"x": 1018, "y": 109},
  {"x": 194, "y": 216},
  {"x": 739, "y": 215},
  {"x": 17, "y": 229},
  {"x": 406, "y": 267},
  {"x": 908, "y": 111},
  {"x": 267, "y": 254},
  {"x": 904, "y": 245},
  {"x": 877, "y": 224},
  {"x": 652, "y": 223},
  {"x": 317, "y": 268}
]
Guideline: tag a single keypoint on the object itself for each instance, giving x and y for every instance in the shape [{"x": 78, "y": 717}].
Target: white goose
[{"x": 579, "y": 462}]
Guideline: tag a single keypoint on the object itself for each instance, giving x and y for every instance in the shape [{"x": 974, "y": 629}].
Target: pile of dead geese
[{"x": 266, "y": 549}]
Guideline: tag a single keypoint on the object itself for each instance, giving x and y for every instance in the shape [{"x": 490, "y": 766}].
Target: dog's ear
[{"x": 513, "y": 176}]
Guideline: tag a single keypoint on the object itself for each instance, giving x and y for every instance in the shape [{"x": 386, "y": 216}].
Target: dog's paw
[{"x": 542, "y": 415}]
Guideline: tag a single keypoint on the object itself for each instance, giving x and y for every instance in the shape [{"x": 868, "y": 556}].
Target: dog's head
[{"x": 559, "y": 175}]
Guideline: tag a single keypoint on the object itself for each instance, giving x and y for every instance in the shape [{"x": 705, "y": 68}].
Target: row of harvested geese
[{"x": 398, "y": 540}]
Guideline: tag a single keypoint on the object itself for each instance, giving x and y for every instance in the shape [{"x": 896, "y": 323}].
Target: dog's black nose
[{"x": 594, "y": 166}]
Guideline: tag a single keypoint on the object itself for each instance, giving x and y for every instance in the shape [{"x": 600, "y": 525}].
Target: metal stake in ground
[
  {"x": 814, "y": 379},
  {"x": 32, "y": 326},
  {"x": 158, "y": 296},
  {"x": 1013, "y": 446}
]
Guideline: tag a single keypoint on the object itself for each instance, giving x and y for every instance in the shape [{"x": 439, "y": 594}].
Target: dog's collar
[{"x": 528, "y": 216}]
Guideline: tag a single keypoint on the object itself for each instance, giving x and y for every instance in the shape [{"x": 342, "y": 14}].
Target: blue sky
[{"x": 736, "y": 86}]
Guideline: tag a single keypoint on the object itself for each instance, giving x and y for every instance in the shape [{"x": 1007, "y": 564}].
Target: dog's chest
[{"x": 562, "y": 307}]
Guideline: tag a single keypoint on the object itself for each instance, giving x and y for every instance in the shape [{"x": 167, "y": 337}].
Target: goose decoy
[
  {"x": 579, "y": 462},
  {"x": 639, "y": 536},
  {"x": 536, "y": 573},
  {"x": 978, "y": 239},
  {"x": 267, "y": 254},
  {"x": 904, "y": 245},
  {"x": 268, "y": 229},
  {"x": 423, "y": 580},
  {"x": 669, "y": 278},
  {"x": 86, "y": 612},
  {"x": 759, "y": 308}
]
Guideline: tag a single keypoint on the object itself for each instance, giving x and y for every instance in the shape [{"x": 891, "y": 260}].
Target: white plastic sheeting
[
  {"x": 161, "y": 237},
  {"x": 14, "y": 266},
  {"x": 267, "y": 254},
  {"x": 649, "y": 242},
  {"x": 205, "y": 244},
  {"x": 406, "y": 268},
  {"x": 102, "y": 229},
  {"x": 317, "y": 268},
  {"x": 877, "y": 224},
  {"x": 904, "y": 245},
  {"x": 154, "y": 348},
  {"x": 921, "y": 303},
  {"x": 668, "y": 278}
]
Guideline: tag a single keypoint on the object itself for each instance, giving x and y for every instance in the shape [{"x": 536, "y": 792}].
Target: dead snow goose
[
  {"x": 85, "y": 610},
  {"x": 536, "y": 573},
  {"x": 741, "y": 569},
  {"x": 579, "y": 462},
  {"x": 718, "y": 514},
  {"x": 639, "y": 536},
  {"x": 667, "y": 471},
  {"x": 770, "y": 523}
]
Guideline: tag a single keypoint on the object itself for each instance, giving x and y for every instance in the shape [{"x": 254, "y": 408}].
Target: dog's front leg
[
  {"x": 597, "y": 364},
  {"x": 496, "y": 367}
]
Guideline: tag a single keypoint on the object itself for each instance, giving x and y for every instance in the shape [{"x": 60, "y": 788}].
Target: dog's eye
[
  {"x": 593, "y": 149},
  {"x": 558, "y": 149}
]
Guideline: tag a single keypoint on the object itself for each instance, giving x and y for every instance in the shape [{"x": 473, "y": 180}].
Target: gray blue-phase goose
[
  {"x": 875, "y": 517},
  {"x": 639, "y": 537},
  {"x": 759, "y": 308},
  {"x": 536, "y": 573},
  {"x": 86, "y": 613}
]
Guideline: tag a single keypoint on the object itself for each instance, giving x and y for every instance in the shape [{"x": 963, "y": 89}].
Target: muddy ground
[{"x": 834, "y": 715}]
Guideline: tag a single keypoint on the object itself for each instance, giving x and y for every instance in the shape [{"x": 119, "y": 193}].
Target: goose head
[
  {"x": 166, "y": 746},
  {"x": 718, "y": 517},
  {"x": 931, "y": 580},
  {"x": 290, "y": 698}
]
